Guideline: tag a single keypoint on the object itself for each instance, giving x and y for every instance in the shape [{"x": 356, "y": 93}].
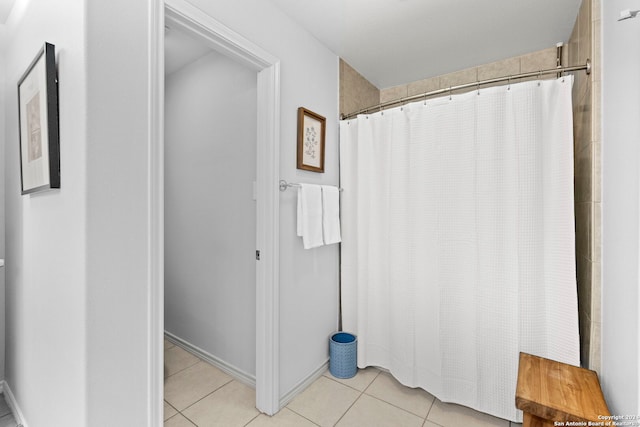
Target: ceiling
[
  {"x": 180, "y": 49},
  {"x": 392, "y": 42},
  {"x": 5, "y": 8}
]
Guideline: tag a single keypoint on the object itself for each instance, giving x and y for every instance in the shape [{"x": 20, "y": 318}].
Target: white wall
[
  {"x": 45, "y": 232},
  {"x": 78, "y": 270},
  {"x": 210, "y": 214},
  {"x": 118, "y": 218},
  {"x": 620, "y": 205},
  {"x": 78, "y": 276},
  {"x": 2, "y": 214},
  {"x": 308, "y": 278}
]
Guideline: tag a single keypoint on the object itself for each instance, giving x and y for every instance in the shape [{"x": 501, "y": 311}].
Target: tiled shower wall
[
  {"x": 535, "y": 61},
  {"x": 585, "y": 43},
  {"x": 357, "y": 93}
]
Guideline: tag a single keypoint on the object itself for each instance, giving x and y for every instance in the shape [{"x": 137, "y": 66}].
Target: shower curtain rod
[{"x": 586, "y": 67}]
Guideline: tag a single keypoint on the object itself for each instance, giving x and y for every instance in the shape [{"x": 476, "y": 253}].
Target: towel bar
[{"x": 284, "y": 185}]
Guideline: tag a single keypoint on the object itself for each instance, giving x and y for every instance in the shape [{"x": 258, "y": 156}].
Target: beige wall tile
[
  {"x": 596, "y": 232},
  {"x": 596, "y": 292},
  {"x": 576, "y": 40},
  {"x": 584, "y": 271},
  {"x": 595, "y": 355},
  {"x": 583, "y": 173},
  {"x": 594, "y": 55},
  {"x": 584, "y": 16},
  {"x": 393, "y": 93},
  {"x": 584, "y": 307},
  {"x": 596, "y": 119},
  {"x": 596, "y": 186},
  {"x": 582, "y": 113},
  {"x": 583, "y": 44},
  {"x": 507, "y": 67},
  {"x": 581, "y": 85},
  {"x": 583, "y": 224},
  {"x": 423, "y": 86},
  {"x": 574, "y": 50},
  {"x": 565, "y": 55},
  {"x": 540, "y": 60},
  {"x": 356, "y": 92},
  {"x": 595, "y": 10},
  {"x": 469, "y": 75},
  {"x": 585, "y": 339}
]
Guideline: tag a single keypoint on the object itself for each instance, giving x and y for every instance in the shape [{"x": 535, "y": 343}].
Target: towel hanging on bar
[
  {"x": 318, "y": 214},
  {"x": 310, "y": 215},
  {"x": 330, "y": 214}
]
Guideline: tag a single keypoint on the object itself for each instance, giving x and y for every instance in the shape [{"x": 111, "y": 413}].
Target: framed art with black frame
[{"x": 39, "y": 126}]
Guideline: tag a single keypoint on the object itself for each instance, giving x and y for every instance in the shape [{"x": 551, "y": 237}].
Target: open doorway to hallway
[{"x": 263, "y": 193}]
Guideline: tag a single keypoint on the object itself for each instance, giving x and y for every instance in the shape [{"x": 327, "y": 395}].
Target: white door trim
[
  {"x": 155, "y": 209},
  {"x": 185, "y": 16}
]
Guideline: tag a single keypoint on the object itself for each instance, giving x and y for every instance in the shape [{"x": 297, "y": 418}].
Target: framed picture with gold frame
[
  {"x": 311, "y": 136},
  {"x": 39, "y": 125}
]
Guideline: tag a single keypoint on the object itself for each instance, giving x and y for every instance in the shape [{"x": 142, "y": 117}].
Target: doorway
[
  {"x": 181, "y": 15},
  {"x": 210, "y": 212}
]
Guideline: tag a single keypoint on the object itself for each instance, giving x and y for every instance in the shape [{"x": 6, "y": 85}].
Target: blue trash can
[{"x": 343, "y": 355}]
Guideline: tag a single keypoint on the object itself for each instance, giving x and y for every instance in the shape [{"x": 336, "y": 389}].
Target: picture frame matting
[
  {"x": 311, "y": 140},
  {"x": 39, "y": 124}
]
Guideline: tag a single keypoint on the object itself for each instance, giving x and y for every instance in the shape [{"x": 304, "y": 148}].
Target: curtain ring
[
  {"x": 509, "y": 87},
  {"x": 449, "y": 93},
  {"x": 478, "y": 87}
]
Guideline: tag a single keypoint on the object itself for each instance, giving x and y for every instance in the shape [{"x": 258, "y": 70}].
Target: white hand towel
[
  {"x": 310, "y": 215},
  {"x": 331, "y": 214}
]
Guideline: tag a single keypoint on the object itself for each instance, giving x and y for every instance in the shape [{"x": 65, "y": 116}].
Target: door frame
[{"x": 194, "y": 21}]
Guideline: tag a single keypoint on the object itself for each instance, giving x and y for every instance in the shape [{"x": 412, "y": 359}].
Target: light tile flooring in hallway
[{"x": 199, "y": 394}]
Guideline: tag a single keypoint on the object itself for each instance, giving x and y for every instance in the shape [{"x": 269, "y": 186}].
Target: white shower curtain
[{"x": 458, "y": 240}]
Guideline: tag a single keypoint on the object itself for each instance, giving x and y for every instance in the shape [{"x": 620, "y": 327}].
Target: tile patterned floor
[{"x": 198, "y": 394}]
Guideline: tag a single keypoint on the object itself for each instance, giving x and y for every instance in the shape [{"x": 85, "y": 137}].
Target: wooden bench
[{"x": 551, "y": 393}]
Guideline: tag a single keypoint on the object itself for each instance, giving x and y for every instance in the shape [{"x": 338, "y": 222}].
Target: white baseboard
[
  {"x": 13, "y": 404},
  {"x": 235, "y": 372},
  {"x": 302, "y": 385}
]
